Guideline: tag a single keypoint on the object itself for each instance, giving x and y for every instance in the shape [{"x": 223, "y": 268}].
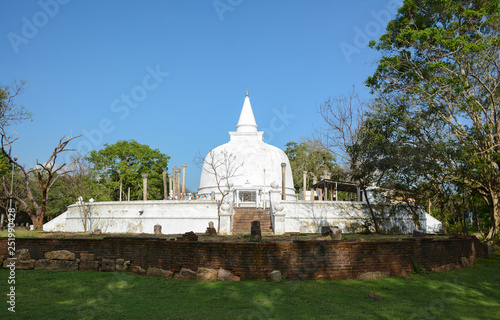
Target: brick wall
[{"x": 252, "y": 260}]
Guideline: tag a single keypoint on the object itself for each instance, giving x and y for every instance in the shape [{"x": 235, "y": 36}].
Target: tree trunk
[
  {"x": 375, "y": 224},
  {"x": 443, "y": 217},
  {"x": 495, "y": 215},
  {"x": 416, "y": 218}
]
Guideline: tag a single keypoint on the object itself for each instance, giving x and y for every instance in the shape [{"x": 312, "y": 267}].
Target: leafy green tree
[
  {"x": 311, "y": 156},
  {"x": 443, "y": 57},
  {"x": 120, "y": 166}
]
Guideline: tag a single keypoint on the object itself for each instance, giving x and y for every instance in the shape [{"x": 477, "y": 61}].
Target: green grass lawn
[{"x": 472, "y": 293}]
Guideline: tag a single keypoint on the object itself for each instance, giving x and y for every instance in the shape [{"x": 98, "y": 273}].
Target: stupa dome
[{"x": 250, "y": 164}]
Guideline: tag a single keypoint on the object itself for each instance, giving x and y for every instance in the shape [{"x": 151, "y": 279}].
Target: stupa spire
[{"x": 246, "y": 123}]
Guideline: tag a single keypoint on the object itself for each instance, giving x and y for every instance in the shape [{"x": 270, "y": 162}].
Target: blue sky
[{"x": 173, "y": 74}]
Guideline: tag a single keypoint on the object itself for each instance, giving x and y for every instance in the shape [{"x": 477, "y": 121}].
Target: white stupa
[{"x": 253, "y": 167}]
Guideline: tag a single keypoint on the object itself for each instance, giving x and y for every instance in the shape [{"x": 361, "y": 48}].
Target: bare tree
[
  {"x": 343, "y": 117},
  {"x": 81, "y": 186},
  {"x": 223, "y": 166},
  {"x": 10, "y": 112},
  {"x": 46, "y": 174}
]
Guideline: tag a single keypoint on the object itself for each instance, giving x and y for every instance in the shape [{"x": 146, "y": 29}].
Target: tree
[
  {"x": 443, "y": 57},
  {"x": 223, "y": 166},
  {"x": 46, "y": 175},
  {"x": 343, "y": 116},
  {"x": 81, "y": 186},
  {"x": 10, "y": 112},
  {"x": 311, "y": 156},
  {"x": 119, "y": 166}
]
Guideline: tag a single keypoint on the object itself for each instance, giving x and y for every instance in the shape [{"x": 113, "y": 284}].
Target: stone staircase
[{"x": 243, "y": 217}]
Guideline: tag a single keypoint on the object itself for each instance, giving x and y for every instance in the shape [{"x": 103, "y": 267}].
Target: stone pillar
[
  {"x": 144, "y": 186},
  {"x": 225, "y": 217},
  {"x": 274, "y": 196},
  {"x": 304, "y": 182},
  {"x": 312, "y": 195},
  {"x": 178, "y": 179},
  {"x": 174, "y": 181},
  {"x": 320, "y": 194},
  {"x": 170, "y": 184},
  {"x": 325, "y": 193},
  {"x": 184, "y": 166},
  {"x": 283, "y": 189},
  {"x": 164, "y": 185},
  {"x": 278, "y": 218}
]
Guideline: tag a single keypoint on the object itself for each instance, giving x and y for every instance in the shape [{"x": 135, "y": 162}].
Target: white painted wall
[
  {"x": 116, "y": 217},
  {"x": 309, "y": 216},
  {"x": 178, "y": 217}
]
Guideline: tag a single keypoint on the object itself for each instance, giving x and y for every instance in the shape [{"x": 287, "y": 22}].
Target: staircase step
[{"x": 243, "y": 217}]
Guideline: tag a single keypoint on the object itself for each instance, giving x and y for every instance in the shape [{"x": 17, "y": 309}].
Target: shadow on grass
[{"x": 472, "y": 293}]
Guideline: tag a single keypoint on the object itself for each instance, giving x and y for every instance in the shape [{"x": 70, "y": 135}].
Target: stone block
[
  {"x": 276, "y": 276},
  {"x": 325, "y": 231},
  {"x": 374, "y": 275},
  {"x": 205, "y": 274},
  {"x": 120, "y": 264},
  {"x": 86, "y": 256},
  {"x": 22, "y": 254},
  {"x": 138, "y": 270},
  {"x": 418, "y": 234},
  {"x": 185, "y": 274},
  {"x": 336, "y": 233},
  {"x": 255, "y": 231},
  {"x": 157, "y": 272},
  {"x": 89, "y": 265},
  {"x": 108, "y": 265},
  {"x": 60, "y": 265},
  {"x": 225, "y": 275},
  {"x": 126, "y": 265},
  {"x": 211, "y": 230},
  {"x": 20, "y": 264},
  {"x": 188, "y": 236},
  {"x": 489, "y": 248},
  {"x": 59, "y": 255},
  {"x": 157, "y": 229}
]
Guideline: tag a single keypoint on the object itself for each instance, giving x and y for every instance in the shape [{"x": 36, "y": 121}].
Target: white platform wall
[
  {"x": 178, "y": 217},
  {"x": 126, "y": 217},
  {"x": 351, "y": 217}
]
